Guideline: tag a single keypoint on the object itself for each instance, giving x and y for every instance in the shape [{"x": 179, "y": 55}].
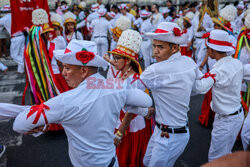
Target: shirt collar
[{"x": 174, "y": 56}]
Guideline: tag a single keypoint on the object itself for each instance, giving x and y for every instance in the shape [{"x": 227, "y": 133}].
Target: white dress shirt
[
  {"x": 157, "y": 19},
  {"x": 88, "y": 115},
  {"x": 171, "y": 82},
  {"x": 100, "y": 27},
  {"x": 226, "y": 97},
  {"x": 146, "y": 26}
]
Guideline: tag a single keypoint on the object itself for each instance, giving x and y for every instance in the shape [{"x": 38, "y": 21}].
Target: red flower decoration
[
  {"x": 84, "y": 56},
  {"x": 177, "y": 32},
  {"x": 206, "y": 35}
]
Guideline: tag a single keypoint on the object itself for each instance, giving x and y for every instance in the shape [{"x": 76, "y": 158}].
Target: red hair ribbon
[{"x": 40, "y": 110}]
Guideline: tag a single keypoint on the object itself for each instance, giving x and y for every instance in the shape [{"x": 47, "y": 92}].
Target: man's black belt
[
  {"x": 165, "y": 128},
  {"x": 236, "y": 112},
  {"x": 111, "y": 164}
]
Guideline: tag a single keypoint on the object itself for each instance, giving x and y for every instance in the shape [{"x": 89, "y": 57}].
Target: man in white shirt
[
  {"x": 123, "y": 9},
  {"x": 146, "y": 47},
  {"x": 88, "y": 112},
  {"x": 238, "y": 20},
  {"x": 101, "y": 28},
  {"x": 171, "y": 80},
  {"x": 157, "y": 17},
  {"x": 227, "y": 73}
]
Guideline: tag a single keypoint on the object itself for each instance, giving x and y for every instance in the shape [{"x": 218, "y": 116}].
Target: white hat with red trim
[
  {"x": 101, "y": 12},
  {"x": 112, "y": 14},
  {"x": 219, "y": 40},
  {"x": 144, "y": 13},
  {"x": 123, "y": 6},
  {"x": 169, "y": 32},
  {"x": 94, "y": 7},
  {"x": 81, "y": 53},
  {"x": 64, "y": 7},
  {"x": 5, "y": 8}
]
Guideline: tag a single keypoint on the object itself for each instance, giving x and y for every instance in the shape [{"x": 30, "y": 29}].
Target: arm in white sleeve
[
  {"x": 53, "y": 112},
  {"x": 8, "y": 111},
  {"x": 137, "y": 110},
  {"x": 138, "y": 98},
  {"x": 79, "y": 35},
  {"x": 246, "y": 72},
  {"x": 81, "y": 24},
  {"x": 202, "y": 85}
]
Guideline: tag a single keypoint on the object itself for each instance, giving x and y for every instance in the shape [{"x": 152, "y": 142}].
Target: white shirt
[
  {"x": 92, "y": 16},
  {"x": 59, "y": 44},
  {"x": 100, "y": 27},
  {"x": 238, "y": 23},
  {"x": 226, "y": 97},
  {"x": 6, "y": 22},
  {"x": 207, "y": 23},
  {"x": 171, "y": 83},
  {"x": 146, "y": 26},
  {"x": 138, "y": 23},
  {"x": 130, "y": 16},
  {"x": 157, "y": 19},
  {"x": 88, "y": 115}
]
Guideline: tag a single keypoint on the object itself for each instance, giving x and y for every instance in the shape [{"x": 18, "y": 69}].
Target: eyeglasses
[{"x": 116, "y": 58}]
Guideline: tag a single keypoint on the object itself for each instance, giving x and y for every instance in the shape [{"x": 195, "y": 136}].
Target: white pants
[
  {"x": 245, "y": 133},
  {"x": 2, "y": 67},
  {"x": 17, "y": 51},
  {"x": 102, "y": 45},
  {"x": 146, "y": 49},
  {"x": 224, "y": 134},
  {"x": 162, "y": 151}
]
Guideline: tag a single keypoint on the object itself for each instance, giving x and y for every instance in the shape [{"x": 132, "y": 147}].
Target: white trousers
[
  {"x": 245, "y": 133},
  {"x": 2, "y": 67},
  {"x": 224, "y": 134},
  {"x": 102, "y": 45},
  {"x": 17, "y": 51},
  {"x": 162, "y": 151},
  {"x": 146, "y": 49}
]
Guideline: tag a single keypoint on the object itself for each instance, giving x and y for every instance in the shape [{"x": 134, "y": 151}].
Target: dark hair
[
  {"x": 157, "y": 6},
  {"x": 169, "y": 1},
  {"x": 188, "y": 24},
  {"x": 66, "y": 30},
  {"x": 64, "y": 3},
  {"x": 134, "y": 66},
  {"x": 193, "y": 5}
]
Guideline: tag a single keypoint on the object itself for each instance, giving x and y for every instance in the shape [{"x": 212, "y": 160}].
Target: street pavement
[{"x": 51, "y": 149}]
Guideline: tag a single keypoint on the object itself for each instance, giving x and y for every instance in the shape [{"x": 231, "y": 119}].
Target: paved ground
[{"x": 50, "y": 150}]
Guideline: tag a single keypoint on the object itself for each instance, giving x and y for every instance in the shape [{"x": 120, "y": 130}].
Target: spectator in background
[
  {"x": 172, "y": 12},
  {"x": 157, "y": 17}
]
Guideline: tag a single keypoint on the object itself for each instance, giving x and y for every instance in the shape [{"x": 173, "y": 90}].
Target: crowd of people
[{"x": 144, "y": 53}]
